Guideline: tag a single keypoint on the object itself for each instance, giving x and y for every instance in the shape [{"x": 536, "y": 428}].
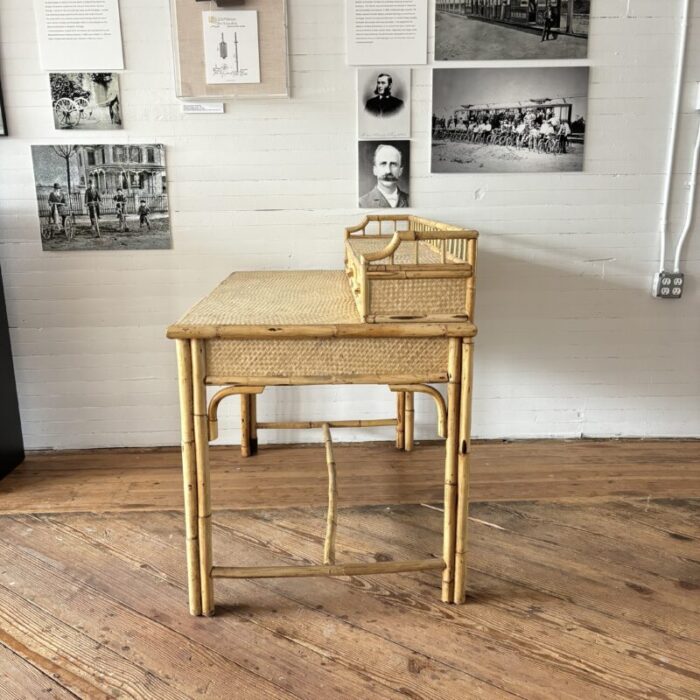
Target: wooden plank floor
[
  {"x": 581, "y": 593},
  {"x": 368, "y": 473}
]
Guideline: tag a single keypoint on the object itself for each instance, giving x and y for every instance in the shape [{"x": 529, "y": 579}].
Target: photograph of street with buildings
[
  {"x": 511, "y": 29},
  {"x": 509, "y": 120},
  {"x": 102, "y": 197}
]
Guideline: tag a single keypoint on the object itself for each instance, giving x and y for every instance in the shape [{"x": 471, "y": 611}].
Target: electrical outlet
[{"x": 668, "y": 285}]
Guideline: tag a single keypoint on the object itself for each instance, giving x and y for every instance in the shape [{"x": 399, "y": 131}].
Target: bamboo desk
[{"x": 302, "y": 328}]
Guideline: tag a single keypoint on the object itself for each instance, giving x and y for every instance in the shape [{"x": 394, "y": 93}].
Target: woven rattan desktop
[{"x": 259, "y": 329}]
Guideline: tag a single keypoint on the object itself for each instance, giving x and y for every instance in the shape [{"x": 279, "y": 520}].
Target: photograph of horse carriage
[
  {"x": 102, "y": 197},
  {"x": 505, "y": 120},
  {"x": 511, "y": 29},
  {"x": 86, "y": 101}
]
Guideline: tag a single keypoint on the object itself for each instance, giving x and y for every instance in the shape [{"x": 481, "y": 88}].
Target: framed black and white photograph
[
  {"x": 3, "y": 120},
  {"x": 509, "y": 120},
  {"x": 384, "y": 103},
  {"x": 86, "y": 101},
  {"x": 383, "y": 174},
  {"x": 482, "y": 30},
  {"x": 102, "y": 197}
]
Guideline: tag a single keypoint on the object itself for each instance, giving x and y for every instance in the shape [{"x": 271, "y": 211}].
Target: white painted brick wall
[{"x": 570, "y": 342}]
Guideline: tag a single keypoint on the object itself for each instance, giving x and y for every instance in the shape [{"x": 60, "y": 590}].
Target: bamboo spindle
[
  {"x": 451, "y": 446},
  {"x": 408, "y": 421},
  {"x": 331, "y": 519},
  {"x": 364, "y": 290},
  {"x": 201, "y": 437},
  {"x": 465, "y": 413},
  {"x": 400, "y": 420},
  {"x": 253, "y": 423},
  {"x": 245, "y": 425},
  {"x": 189, "y": 474},
  {"x": 471, "y": 281}
]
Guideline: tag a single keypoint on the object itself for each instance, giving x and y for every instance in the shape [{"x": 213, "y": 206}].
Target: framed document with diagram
[
  {"x": 222, "y": 53},
  {"x": 231, "y": 47}
]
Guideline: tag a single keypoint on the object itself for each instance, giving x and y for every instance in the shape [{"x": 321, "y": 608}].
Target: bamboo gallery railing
[{"x": 424, "y": 271}]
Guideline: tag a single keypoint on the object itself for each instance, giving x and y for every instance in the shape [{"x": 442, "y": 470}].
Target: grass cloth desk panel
[{"x": 259, "y": 329}]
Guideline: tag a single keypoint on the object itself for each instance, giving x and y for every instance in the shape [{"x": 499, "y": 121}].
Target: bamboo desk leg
[
  {"x": 451, "y": 448},
  {"x": 400, "y": 419},
  {"x": 465, "y": 415},
  {"x": 245, "y": 425},
  {"x": 253, "y": 423},
  {"x": 189, "y": 474},
  {"x": 201, "y": 438},
  {"x": 409, "y": 421}
]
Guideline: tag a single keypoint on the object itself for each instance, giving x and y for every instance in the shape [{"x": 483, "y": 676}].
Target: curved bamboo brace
[
  {"x": 212, "y": 412},
  {"x": 354, "y": 229},
  {"x": 385, "y": 252},
  {"x": 331, "y": 518},
  {"x": 431, "y": 391}
]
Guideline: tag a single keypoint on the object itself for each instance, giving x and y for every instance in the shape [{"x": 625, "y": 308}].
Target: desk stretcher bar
[{"x": 383, "y": 567}]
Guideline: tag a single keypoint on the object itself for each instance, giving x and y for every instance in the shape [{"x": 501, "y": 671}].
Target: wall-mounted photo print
[
  {"x": 86, "y": 101},
  {"x": 3, "y": 121},
  {"x": 482, "y": 30},
  {"x": 509, "y": 120},
  {"x": 383, "y": 174},
  {"x": 102, "y": 197},
  {"x": 384, "y": 103}
]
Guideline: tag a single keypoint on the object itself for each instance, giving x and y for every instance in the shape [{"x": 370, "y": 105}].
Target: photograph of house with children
[{"x": 102, "y": 197}]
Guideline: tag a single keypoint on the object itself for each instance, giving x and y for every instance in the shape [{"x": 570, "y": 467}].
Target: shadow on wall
[
  {"x": 566, "y": 348},
  {"x": 575, "y": 346}
]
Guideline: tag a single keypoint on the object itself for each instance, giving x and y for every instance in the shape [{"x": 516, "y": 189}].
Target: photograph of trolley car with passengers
[
  {"x": 511, "y": 29},
  {"x": 508, "y": 120},
  {"x": 102, "y": 196}
]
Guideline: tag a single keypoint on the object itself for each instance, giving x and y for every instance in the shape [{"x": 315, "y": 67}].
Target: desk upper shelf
[{"x": 304, "y": 303}]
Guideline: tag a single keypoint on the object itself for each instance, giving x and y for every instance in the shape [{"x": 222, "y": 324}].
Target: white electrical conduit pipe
[
  {"x": 674, "y": 128},
  {"x": 691, "y": 205}
]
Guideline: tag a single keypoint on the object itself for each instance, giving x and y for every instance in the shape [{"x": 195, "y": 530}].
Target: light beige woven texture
[
  {"x": 418, "y": 297},
  {"x": 326, "y": 356},
  {"x": 404, "y": 254},
  {"x": 295, "y": 298}
]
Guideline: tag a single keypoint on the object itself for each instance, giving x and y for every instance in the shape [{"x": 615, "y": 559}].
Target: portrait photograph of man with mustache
[{"x": 383, "y": 174}]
